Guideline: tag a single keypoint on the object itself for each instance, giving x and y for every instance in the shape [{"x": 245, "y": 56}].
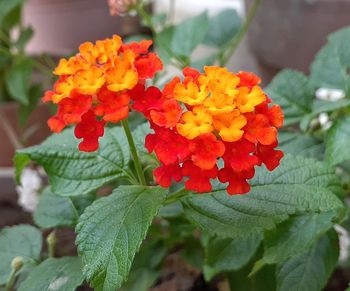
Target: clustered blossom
[
  {"x": 207, "y": 118},
  {"x": 94, "y": 86}
]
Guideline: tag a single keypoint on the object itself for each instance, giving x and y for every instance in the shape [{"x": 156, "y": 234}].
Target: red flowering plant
[{"x": 202, "y": 177}]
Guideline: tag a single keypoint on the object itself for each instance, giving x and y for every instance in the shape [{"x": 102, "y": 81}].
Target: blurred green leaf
[
  {"x": 338, "y": 142},
  {"x": 18, "y": 78},
  {"x": 300, "y": 144},
  {"x": 294, "y": 236},
  {"x": 7, "y": 6},
  {"x": 311, "y": 270},
  {"x": 163, "y": 44},
  {"x": 293, "y": 91},
  {"x": 35, "y": 93},
  {"x": 229, "y": 254},
  {"x": 63, "y": 274},
  {"x": 54, "y": 211},
  {"x": 22, "y": 240},
  {"x": 207, "y": 61},
  {"x": 222, "y": 28},
  {"x": 189, "y": 34},
  {"x": 24, "y": 37},
  {"x": 331, "y": 65}
]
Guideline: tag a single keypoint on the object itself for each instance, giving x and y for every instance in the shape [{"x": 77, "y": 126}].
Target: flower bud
[
  {"x": 121, "y": 7},
  {"x": 17, "y": 263}
]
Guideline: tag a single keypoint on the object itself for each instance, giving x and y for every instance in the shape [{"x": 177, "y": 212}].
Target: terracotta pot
[
  {"x": 289, "y": 33},
  {"x": 36, "y": 129},
  {"x": 60, "y": 26}
]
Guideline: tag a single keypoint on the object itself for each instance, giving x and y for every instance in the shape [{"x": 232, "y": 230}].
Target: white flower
[
  {"x": 324, "y": 121},
  {"x": 344, "y": 243},
  {"x": 28, "y": 190},
  {"x": 330, "y": 94}
]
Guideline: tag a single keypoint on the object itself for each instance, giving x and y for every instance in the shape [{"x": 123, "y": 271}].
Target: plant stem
[
  {"x": 51, "y": 244},
  {"x": 133, "y": 151},
  {"x": 16, "y": 265},
  {"x": 176, "y": 196},
  {"x": 226, "y": 55}
]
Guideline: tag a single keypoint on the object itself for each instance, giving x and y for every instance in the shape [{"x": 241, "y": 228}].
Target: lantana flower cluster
[
  {"x": 93, "y": 86},
  {"x": 215, "y": 125},
  {"x": 208, "y": 126}
]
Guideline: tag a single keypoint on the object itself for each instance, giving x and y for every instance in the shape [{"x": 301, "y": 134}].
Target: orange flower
[{"x": 98, "y": 80}]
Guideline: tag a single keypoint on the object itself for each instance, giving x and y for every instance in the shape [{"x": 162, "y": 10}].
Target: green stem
[
  {"x": 51, "y": 244},
  {"x": 226, "y": 55},
  {"x": 176, "y": 196},
  {"x": 133, "y": 151},
  {"x": 16, "y": 265}
]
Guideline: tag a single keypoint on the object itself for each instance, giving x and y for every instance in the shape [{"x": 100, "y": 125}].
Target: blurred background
[{"x": 34, "y": 34}]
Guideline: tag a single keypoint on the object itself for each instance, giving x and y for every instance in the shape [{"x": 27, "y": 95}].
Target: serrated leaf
[
  {"x": 301, "y": 145},
  {"x": 298, "y": 186},
  {"x": 330, "y": 67},
  {"x": 189, "y": 34},
  {"x": 338, "y": 142},
  {"x": 223, "y": 27},
  {"x": 63, "y": 274},
  {"x": 17, "y": 79},
  {"x": 22, "y": 240},
  {"x": 54, "y": 211},
  {"x": 229, "y": 254},
  {"x": 293, "y": 91},
  {"x": 309, "y": 271},
  {"x": 72, "y": 172},
  {"x": 111, "y": 231},
  {"x": 295, "y": 236}
]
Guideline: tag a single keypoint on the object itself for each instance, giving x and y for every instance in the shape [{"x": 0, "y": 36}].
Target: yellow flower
[
  {"x": 195, "y": 122},
  {"x": 246, "y": 101},
  {"x": 229, "y": 125},
  {"x": 190, "y": 94},
  {"x": 63, "y": 90},
  {"x": 122, "y": 75},
  {"x": 89, "y": 81}
]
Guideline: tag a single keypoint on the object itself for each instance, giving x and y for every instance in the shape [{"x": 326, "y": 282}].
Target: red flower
[
  {"x": 146, "y": 100},
  {"x": 113, "y": 106},
  {"x": 269, "y": 156},
  {"x": 70, "y": 111},
  {"x": 168, "y": 146},
  {"x": 259, "y": 129},
  {"x": 147, "y": 66},
  {"x": 198, "y": 179},
  {"x": 166, "y": 173},
  {"x": 248, "y": 79},
  {"x": 206, "y": 149},
  {"x": 240, "y": 156},
  {"x": 168, "y": 116},
  {"x": 89, "y": 129},
  {"x": 237, "y": 180}
]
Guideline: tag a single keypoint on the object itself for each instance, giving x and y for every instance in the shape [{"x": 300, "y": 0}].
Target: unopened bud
[
  {"x": 121, "y": 7},
  {"x": 17, "y": 263}
]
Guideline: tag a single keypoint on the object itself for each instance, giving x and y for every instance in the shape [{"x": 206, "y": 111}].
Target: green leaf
[
  {"x": 163, "y": 44},
  {"x": 338, "y": 142},
  {"x": 206, "y": 61},
  {"x": 229, "y": 254},
  {"x": 8, "y": 6},
  {"x": 111, "y": 231},
  {"x": 22, "y": 240},
  {"x": 298, "y": 186},
  {"x": 294, "y": 236},
  {"x": 301, "y": 145},
  {"x": 223, "y": 28},
  {"x": 35, "y": 93},
  {"x": 293, "y": 91},
  {"x": 330, "y": 67},
  {"x": 189, "y": 34},
  {"x": 17, "y": 79},
  {"x": 25, "y": 36},
  {"x": 63, "y": 274},
  {"x": 72, "y": 172},
  {"x": 311, "y": 270},
  {"x": 54, "y": 211}
]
